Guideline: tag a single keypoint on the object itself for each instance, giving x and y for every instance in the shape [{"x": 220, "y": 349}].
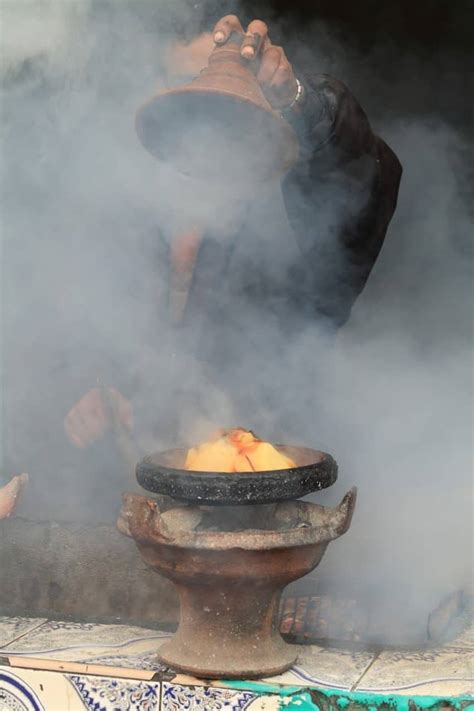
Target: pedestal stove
[{"x": 230, "y": 543}]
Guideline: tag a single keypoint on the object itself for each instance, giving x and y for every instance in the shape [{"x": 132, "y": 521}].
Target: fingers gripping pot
[{"x": 220, "y": 124}]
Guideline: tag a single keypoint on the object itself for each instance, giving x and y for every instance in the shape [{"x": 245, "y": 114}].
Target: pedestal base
[
  {"x": 240, "y": 664},
  {"x": 228, "y": 631}
]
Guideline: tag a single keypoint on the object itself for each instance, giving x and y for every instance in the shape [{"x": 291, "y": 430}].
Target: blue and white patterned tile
[
  {"x": 178, "y": 697},
  {"x": 11, "y": 628},
  {"x": 110, "y": 694},
  {"x": 16, "y": 694},
  {"x": 442, "y": 671},
  {"x": 27, "y": 690},
  {"x": 73, "y": 641}
]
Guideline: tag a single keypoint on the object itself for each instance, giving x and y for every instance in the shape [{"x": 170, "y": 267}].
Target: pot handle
[{"x": 345, "y": 511}]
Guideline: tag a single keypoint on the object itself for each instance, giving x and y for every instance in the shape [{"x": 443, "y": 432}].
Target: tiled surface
[
  {"x": 465, "y": 639},
  {"x": 135, "y": 647},
  {"x": 176, "y": 697},
  {"x": 445, "y": 671},
  {"x": 464, "y": 632},
  {"x": 327, "y": 668},
  {"x": 137, "y": 655},
  {"x": 116, "y": 694},
  {"x": 26, "y": 690},
  {"x": 76, "y": 641},
  {"x": 11, "y": 628},
  {"x": 331, "y": 668}
]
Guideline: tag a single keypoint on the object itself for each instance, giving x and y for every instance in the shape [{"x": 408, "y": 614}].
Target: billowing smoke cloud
[{"x": 87, "y": 219}]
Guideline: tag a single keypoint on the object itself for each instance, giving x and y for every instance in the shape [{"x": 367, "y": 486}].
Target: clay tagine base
[{"x": 230, "y": 580}]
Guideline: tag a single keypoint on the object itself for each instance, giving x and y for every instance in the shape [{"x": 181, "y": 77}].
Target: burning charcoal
[{"x": 236, "y": 450}]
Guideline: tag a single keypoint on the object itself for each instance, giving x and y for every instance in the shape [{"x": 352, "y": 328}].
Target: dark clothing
[
  {"x": 339, "y": 200},
  {"x": 342, "y": 160}
]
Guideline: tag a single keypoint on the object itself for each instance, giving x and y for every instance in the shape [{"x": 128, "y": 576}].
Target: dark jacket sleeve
[{"x": 339, "y": 197}]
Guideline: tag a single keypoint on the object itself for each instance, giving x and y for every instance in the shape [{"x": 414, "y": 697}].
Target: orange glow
[{"x": 236, "y": 450}]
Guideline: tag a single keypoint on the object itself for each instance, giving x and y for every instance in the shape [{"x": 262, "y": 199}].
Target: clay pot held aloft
[{"x": 220, "y": 126}]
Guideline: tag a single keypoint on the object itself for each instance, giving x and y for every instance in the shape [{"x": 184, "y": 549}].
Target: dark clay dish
[{"x": 163, "y": 473}]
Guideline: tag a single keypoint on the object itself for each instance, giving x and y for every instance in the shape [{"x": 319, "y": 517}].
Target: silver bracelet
[{"x": 299, "y": 94}]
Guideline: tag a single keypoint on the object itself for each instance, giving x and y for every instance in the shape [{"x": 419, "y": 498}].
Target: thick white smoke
[{"x": 391, "y": 399}]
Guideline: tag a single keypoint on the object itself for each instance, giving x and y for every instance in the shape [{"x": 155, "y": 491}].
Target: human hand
[
  {"x": 9, "y": 494},
  {"x": 268, "y": 62},
  {"x": 89, "y": 419}
]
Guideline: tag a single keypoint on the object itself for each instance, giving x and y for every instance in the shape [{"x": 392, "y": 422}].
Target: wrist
[
  {"x": 295, "y": 106},
  {"x": 310, "y": 118}
]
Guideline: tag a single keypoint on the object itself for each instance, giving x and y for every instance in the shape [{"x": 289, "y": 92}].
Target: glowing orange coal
[{"x": 236, "y": 450}]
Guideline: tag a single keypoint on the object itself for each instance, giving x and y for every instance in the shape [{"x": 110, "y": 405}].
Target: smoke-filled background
[{"x": 87, "y": 211}]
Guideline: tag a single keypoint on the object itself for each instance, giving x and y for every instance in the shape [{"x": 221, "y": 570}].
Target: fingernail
[
  {"x": 248, "y": 52},
  {"x": 219, "y": 36}
]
